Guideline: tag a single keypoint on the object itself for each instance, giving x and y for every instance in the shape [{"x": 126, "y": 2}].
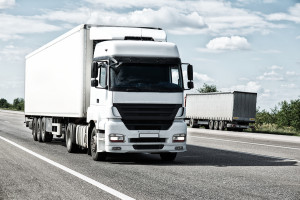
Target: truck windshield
[{"x": 146, "y": 78}]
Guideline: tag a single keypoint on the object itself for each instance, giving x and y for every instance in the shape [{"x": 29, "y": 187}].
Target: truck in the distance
[
  {"x": 108, "y": 89},
  {"x": 220, "y": 110}
]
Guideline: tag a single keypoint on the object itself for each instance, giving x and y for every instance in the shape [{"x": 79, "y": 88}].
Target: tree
[
  {"x": 18, "y": 104},
  {"x": 4, "y": 103},
  {"x": 295, "y": 113},
  {"x": 207, "y": 88}
]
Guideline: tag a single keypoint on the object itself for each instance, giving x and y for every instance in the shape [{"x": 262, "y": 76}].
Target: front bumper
[{"x": 137, "y": 141}]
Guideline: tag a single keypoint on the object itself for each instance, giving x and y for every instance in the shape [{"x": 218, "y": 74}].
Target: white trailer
[
  {"x": 220, "y": 110},
  {"x": 109, "y": 90}
]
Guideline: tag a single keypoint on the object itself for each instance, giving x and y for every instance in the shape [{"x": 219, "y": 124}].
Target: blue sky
[{"x": 245, "y": 45}]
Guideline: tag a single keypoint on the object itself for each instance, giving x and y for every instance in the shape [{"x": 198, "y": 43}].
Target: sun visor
[{"x": 120, "y": 33}]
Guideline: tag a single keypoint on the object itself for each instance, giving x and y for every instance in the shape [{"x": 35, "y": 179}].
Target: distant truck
[
  {"x": 108, "y": 89},
  {"x": 220, "y": 110}
]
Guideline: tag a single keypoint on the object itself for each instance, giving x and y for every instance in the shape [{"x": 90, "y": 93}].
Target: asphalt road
[{"x": 217, "y": 165}]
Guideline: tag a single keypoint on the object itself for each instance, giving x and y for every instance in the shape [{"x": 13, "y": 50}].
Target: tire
[
  {"x": 221, "y": 125},
  {"x": 211, "y": 125},
  {"x": 39, "y": 130},
  {"x": 194, "y": 123},
  {"x": 89, "y": 139},
  {"x": 168, "y": 156},
  {"x": 46, "y": 136},
  {"x": 216, "y": 125},
  {"x": 97, "y": 156},
  {"x": 71, "y": 138},
  {"x": 34, "y": 129},
  {"x": 43, "y": 130}
]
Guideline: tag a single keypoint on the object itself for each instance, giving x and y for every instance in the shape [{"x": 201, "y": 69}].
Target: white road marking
[
  {"x": 259, "y": 144},
  {"x": 70, "y": 171}
]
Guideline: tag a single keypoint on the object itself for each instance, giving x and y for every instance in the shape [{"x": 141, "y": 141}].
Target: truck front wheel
[
  {"x": 97, "y": 156},
  {"x": 168, "y": 156}
]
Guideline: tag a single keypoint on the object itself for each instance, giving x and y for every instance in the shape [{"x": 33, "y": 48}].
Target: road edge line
[{"x": 74, "y": 173}]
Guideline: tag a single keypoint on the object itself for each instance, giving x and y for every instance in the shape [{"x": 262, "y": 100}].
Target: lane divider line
[
  {"x": 236, "y": 141},
  {"x": 70, "y": 171}
]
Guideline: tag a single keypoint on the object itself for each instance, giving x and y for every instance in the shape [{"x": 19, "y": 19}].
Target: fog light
[
  {"x": 116, "y": 148},
  {"x": 179, "y": 148},
  {"x": 179, "y": 138},
  {"x": 116, "y": 138}
]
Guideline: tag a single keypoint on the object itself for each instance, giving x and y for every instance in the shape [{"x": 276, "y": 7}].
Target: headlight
[
  {"x": 179, "y": 137},
  {"x": 116, "y": 138}
]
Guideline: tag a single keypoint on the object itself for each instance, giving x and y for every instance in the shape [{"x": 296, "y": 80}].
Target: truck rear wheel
[
  {"x": 34, "y": 129},
  {"x": 221, "y": 125},
  {"x": 97, "y": 156},
  {"x": 211, "y": 125},
  {"x": 216, "y": 125},
  {"x": 39, "y": 130},
  {"x": 71, "y": 138},
  {"x": 168, "y": 156},
  {"x": 194, "y": 123},
  {"x": 46, "y": 136}
]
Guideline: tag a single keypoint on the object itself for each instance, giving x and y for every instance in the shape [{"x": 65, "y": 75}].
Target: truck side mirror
[
  {"x": 190, "y": 72},
  {"x": 94, "y": 72},
  {"x": 190, "y": 85}
]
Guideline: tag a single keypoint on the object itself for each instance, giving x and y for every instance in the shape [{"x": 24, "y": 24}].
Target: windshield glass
[{"x": 146, "y": 78}]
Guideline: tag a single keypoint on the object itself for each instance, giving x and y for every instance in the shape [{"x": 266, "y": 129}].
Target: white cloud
[
  {"x": 213, "y": 17},
  {"x": 13, "y": 54},
  {"x": 169, "y": 18},
  {"x": 77, "y": 16},
  {"x": 7, "y": 4},
  {"x": 293, "y": 15},
  {"x": 202, "y": 77},
  {"x": 274, "y": 67},
  {"x": 291, "y": 85},
  {"x": 15, "y": 26},
  {"x": 298, "y": 37},
  {"x": 228, "y": 43},
  {"x": 272, "y": 76},
  {"x": 290, "y": 73},
  {"x": 198, "y": 77},
  {"x": 251, "y": 86}
]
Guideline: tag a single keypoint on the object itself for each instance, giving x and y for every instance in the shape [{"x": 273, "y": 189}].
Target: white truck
[
  {"x": 220, "y": 110},
  {"x": 108, "y": 89}
]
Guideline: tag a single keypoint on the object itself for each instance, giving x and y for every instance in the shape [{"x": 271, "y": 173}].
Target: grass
[
  {"x": 274, "y": 129},
  {"x": 13, "y": 109}
]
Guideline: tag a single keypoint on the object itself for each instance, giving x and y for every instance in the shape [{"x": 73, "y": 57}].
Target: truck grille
[{"x": 148, "y": 116}]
